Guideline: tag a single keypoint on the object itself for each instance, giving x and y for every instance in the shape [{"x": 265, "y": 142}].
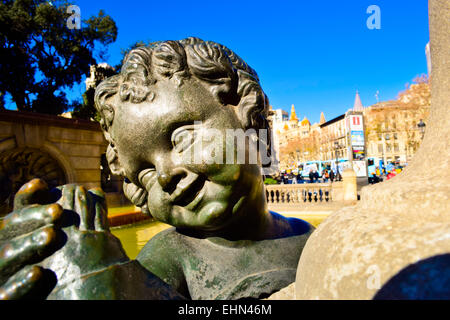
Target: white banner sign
[
  {"x": 360, "y": 168},
  {"x": 356, "y": 123}
]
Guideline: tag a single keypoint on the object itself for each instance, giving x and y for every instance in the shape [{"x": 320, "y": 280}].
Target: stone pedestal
[
  {"x": 337, "y": 191},
  {"x": 350, "y": 187},
  {"x": 399, "y": 224}
]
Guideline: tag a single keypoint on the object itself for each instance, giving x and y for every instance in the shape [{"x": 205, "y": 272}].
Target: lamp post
[
  {"x": 406, "y": 154},
  {"x": 421, "y": 125},
  {"x": 387, "y": 137},
  {"x": 336, "y": 148}
]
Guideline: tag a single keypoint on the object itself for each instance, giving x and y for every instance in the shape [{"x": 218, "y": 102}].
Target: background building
[
  {"x": 57, "y": 150},
  {"x": 393, "y": 133},
  {"x": 389, "y": 132}
]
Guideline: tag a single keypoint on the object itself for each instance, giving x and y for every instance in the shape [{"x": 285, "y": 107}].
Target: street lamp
[
  {"x": 421, "y": 125},
  {"x": 336, "y": 148},
  {"x": 387, "y": 138}
]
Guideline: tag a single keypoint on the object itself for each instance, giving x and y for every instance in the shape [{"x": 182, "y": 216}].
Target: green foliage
[
  {"x": 41, "y": 56},
  {"x": 270, "y": 181},
  {"x": 2, "y": 100},
  {"x": 86, "y": 109}
]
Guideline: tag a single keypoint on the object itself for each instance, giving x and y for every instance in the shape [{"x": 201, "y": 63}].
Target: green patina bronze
[
  {"x": 216, "y": 268},
  {"x": 50, "y": 252},
  {"x": 157, "y": 116}
]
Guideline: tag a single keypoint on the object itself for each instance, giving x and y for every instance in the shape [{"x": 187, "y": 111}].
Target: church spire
[
  {"x": 322, "y": 118},
  {"x": 293, "y": 114},
  {"x": 358, "y": 106}
]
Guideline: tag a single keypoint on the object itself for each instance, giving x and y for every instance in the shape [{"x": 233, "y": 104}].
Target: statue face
[{"x": 186, "y": 187}]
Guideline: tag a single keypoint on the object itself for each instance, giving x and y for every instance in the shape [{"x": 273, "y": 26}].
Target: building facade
[
  {"x": 389, "y": 132},
  {"x": 393, "y": 132},
  {"x": 56, "y": 149}
]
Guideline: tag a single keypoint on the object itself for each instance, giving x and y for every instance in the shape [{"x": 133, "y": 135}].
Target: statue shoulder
[
  {"x": 163, "y": 256},
  {"x": 292, "y": 226},
  {"x": 159, "y": 244}
]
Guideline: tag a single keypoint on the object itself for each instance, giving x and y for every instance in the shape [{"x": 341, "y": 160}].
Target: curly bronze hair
[{"x": 228, "y": 77}]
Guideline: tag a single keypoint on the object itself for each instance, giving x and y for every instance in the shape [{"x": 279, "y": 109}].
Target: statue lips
[
  {"x": 188, "y": 192},
  {"x": 137, "y": 194},
  {"x": 147, "y": 178}
]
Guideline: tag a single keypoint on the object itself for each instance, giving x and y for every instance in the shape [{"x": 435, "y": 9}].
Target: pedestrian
[
  {"x": 325, "y": 175},
  {"x": 316, "y": 176},
  {"x": 278, "y": 179},
  {"x": 331, "y": 175},
  {"x": 294, "y": 178},
  {"x": 391, "y": 174},
  {"x": 311, "y": 176},
  {"x": 299, "y": 177}
]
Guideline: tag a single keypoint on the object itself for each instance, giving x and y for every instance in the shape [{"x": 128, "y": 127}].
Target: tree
[
  {"x": 399, "y": 118},
  {"x": 2, "y": 100},
  {"x": 86, "y": 109},
  {"x": 296, "y": 148},
  {"x": 42, "y": 57}
]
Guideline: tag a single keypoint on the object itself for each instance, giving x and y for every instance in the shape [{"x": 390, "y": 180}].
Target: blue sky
[{"x": 313, "y": 54}]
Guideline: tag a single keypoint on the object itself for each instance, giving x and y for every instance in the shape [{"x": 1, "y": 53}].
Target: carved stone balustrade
[{"x": 295, "y": 194}]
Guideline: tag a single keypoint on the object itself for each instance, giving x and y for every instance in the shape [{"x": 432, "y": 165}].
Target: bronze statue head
[{"x": 169, "y": 98}]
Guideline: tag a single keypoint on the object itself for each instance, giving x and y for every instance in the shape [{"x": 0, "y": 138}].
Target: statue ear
[{"x": 113, "y": 161}]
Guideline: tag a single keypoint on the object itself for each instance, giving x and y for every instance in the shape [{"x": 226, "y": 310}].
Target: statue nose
[{"x": 169, "y": 181}]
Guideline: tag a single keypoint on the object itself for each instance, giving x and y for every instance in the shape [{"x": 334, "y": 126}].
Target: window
[
  {"x": 395, "y": 136},
  {"x": 380, "y": 148},
  {"x": 388, "y": 148},
  {"x": 396, "y": 147}
]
